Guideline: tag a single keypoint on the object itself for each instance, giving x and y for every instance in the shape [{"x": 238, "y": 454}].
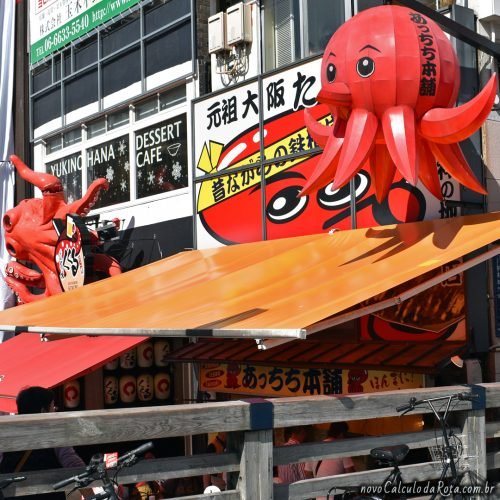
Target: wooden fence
[{"x": 250, "y": 424}]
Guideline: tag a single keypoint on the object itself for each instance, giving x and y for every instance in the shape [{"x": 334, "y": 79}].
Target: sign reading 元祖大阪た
[{"x": 55, "y": 23}]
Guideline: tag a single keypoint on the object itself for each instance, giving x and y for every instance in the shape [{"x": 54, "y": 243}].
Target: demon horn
[{"x": 43, "y": 181}]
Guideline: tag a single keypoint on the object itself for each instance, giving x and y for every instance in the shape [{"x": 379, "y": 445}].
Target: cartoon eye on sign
[{"x": 230, "y": 206}]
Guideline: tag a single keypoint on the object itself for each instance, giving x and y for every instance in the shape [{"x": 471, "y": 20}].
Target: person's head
[
  {"x": 338, "y": 430},
  {"x": 299, "y": 433},
  {"x": 35, "y": 400}
]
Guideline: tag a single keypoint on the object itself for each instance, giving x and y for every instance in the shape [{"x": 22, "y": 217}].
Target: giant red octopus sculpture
[
  {"x": 31, "y": 238},
  {"x": 390, "y": 78}
]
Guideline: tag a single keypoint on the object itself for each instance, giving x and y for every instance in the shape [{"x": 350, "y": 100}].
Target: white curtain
[{"x": 7, "y": 24}]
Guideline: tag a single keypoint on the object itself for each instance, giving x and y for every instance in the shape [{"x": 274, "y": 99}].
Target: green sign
[{"x": 78, "y": 26}]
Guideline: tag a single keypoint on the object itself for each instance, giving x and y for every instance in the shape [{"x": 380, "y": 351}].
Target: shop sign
[
  {"x": 233, "y": 201},
  {"x": 284, "y": 382},
  {"x": 161, "y": 157},
  {"x": 72, "y": 251},
  {"x": 55, "y": 23}
]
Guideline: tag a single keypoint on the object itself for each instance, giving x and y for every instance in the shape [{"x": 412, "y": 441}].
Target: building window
[
  {"x": 157, "y": 164},
  {"x": 161, "y": 157},
  {"x": 110, "y": 160},
  {"x": 124, "y": 57},
  {"x": 294, "y": 29}
]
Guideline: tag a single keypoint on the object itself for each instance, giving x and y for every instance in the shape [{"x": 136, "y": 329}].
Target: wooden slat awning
[{"x": 417, "y": 357}]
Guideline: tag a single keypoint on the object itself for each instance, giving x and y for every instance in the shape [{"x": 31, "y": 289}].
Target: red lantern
[
  {"x": 162, "y": 386},
  {"x": 128, "y": 389},
  {"x": 71, "y": 392},
  {"x": 145, "y": 354}
]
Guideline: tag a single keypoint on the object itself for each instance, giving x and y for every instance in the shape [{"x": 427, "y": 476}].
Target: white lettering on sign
[
  {"x": 66, "y": 166},
  {"x": 100, "y": 155},
  {"x": 148, "y": 144}
]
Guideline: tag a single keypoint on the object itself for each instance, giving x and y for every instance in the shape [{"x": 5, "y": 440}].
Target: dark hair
[
  {"x": 337, "y": 429},
  {"x": 34, "y": 400}
]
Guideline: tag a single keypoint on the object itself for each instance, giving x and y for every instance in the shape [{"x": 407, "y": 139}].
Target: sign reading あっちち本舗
[{"x": 285, "y": 381}]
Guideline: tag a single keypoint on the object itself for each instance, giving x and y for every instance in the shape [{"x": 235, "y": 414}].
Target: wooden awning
[
  {"x": 417, "y": 357},
  {"x": 280, "y": 288}
]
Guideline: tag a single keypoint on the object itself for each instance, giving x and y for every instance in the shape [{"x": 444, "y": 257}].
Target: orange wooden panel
[{"x": 281, "y": 284}]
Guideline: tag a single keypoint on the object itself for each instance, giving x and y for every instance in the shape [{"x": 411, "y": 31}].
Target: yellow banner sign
[{"x": 284, "y": 382}]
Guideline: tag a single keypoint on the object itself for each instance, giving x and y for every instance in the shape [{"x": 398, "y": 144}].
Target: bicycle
[
  {"x": 449, "y": 453},
  {"x": 6, "y": 482},
  {"x": 97, "y": 469}
]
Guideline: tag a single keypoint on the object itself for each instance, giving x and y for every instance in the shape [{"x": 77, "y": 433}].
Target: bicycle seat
[{"x": 391, "y": 454}]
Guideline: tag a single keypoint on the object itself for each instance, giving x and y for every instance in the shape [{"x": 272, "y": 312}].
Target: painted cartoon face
[
  {"x": 390, "y": 77},
  {"x": 236, "y": 218}
]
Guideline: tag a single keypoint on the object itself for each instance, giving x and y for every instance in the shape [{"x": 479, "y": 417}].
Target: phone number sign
[{"x": 55, "y": 23}]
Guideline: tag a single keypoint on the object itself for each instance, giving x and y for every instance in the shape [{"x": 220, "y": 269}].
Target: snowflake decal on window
[
  {"x": 176, "y": 170},
  {"x": 121, "y": 147},
  {"x": 126, "y": 166},
  {"x": 151, "y": 178},
  {"x": 123, "y": 185},
  {"x": 110, "y": 173}
]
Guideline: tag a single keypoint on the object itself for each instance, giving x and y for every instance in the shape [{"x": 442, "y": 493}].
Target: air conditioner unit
[
  {"x": 217, "y": 33},
  {"x": 488, "y": 10},
  {"x": 239, "y": 24}
]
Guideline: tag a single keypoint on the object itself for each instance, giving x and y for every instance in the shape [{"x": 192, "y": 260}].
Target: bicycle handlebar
[
  {"x": 413, "y": 402},
  {"x": 94, "y": 463}
]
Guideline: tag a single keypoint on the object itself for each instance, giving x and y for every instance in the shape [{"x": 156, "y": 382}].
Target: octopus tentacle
[
  {"x": 382, "y": 171},
  {"x": 398, "y": 124},
  {"x": 89, "y": 199},
  {"x": 326, "y": 167},
  {"x": 361, "y": 130},
  {"x": 451, "y": 125},
  {"x": 428, "y": 171},
  {"x": 319, "y": 132},
  {"x": 47, "y": 183},
  {"x": 452, "y": 159}
]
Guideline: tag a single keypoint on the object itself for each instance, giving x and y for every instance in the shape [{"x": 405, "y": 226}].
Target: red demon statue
[{"x": 31, "y": 236}]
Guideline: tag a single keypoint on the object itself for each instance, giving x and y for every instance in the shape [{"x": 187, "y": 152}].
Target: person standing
[
  {"x": 289, "y": 473},
  {"x": 331, "y": 466},
  {"x": 30, "y": 401}
]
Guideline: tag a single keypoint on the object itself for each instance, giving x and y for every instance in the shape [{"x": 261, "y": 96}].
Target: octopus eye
[
  {"x": 7, "y": 222},
  {"x": 341, "y": 198},
  {"x": 365, "y": 67},
  {"x": 286, "y": 205},
  {"x": 331, "y": 72}
]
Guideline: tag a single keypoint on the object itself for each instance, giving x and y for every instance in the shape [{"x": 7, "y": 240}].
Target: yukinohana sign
[{"x": 55, "y": 23}]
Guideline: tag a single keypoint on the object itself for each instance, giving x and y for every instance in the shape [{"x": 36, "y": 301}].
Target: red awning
[{"x": 26, "y": 360}]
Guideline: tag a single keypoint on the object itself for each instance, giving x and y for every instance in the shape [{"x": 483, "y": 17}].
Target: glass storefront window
[
  {"x": 161, "y": 157},
  {"x": 69, "y": 171},
  {"x": 111, "y": 161}
]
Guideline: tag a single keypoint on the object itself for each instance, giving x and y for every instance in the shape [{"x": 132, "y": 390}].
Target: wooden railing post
[
  {"x": 474, "y": 439},
  {"x": 256, "y": 466}
]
